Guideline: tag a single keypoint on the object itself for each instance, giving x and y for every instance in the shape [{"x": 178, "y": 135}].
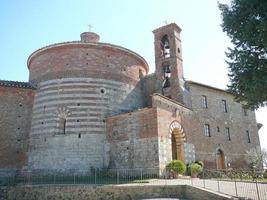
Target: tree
[
  {"x": 257, "y": 157},
  {"x": 245, "y": 22}
]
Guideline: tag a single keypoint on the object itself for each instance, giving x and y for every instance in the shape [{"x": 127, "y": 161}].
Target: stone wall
[
  {"x": 84, "y": 103},
  {"x": 133, "y": 139},
  {"x": 170, "y": 115},
  {"x": 108, "y": 193},
  {"x": 218, "y": 120},
  {"x": 15, "y": 121},
  {"x": 142, "y": 139}
]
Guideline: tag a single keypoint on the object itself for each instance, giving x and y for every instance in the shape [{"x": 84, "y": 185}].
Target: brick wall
[
  {"x": 142, "y": 139},
  {"x": 169, "y": 115},
  {"x": 133, "y": 139},
  {"x": 86, "y": 60},
  {"x": 15, "y": 117}
]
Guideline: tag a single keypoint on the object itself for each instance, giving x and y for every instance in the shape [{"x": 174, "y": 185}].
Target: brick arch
[
  {"x": 177, "y": 140},
  {"x": 176, "y": 125}
]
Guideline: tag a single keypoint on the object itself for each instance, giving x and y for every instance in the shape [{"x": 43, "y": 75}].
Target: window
[
  {"x": 218, "y": 129},
  {"x": 245, "y": 111},
  {"x": 224, "y": 106},
  {"x": 248, "y": 136},
  {"x": 165, "y": 47},
  {"x": 207, "y": 130},
  {"x": 62, "y": 125},
  {"x": 167, "y": 75},
  {"x": 228, "y": 133},
  {"x": 204, "y": 101}
]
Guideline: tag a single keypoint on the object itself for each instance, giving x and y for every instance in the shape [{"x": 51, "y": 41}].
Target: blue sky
[{"x": 29, "y": 24}]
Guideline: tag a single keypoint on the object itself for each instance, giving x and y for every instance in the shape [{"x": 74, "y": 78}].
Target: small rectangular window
[
  {"x": 207, "y": 130},
  {"x": 228, "y": 133},
  {"x": 248, "y": 136},
  {"x": 224, "y": 106},
  {"x": 218, "y": 129},
  {"x": 245, "y": 111},
  {"x": 204, "y": 101}
]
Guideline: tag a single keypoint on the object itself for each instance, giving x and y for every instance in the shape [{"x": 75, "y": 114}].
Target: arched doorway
[
  {"x": 177, "y": 145},
  {"x": 220, "y": 161},
  {"x": 177, "y": 137}
]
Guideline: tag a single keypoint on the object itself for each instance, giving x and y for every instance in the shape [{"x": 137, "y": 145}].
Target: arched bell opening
[{"x": 165, "y": 46}]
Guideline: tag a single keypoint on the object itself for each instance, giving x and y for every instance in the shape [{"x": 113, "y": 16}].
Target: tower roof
[{"x": 173, "y": 25}]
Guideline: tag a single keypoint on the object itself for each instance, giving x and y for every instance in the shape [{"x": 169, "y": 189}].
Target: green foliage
[
  {"x": 245, "y": 22},
  {"x": 196, "y": 168},
  {"x": 199, "y": 162},
  {"x": 177, "y": 166}
]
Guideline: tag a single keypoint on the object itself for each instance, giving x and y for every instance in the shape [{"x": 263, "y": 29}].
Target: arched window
[
  {"x": 167, "y": 75},
  {"x": 165, "y": 46},
  {"x": 62, "y": 125}
]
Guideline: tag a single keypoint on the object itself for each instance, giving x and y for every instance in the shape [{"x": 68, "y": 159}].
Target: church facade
[{"x": 93, "y": 105}]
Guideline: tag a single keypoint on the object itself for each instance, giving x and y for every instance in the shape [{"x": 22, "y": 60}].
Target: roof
[
  {"x": 171, "y": 100},
  {"x": 208, "y": 86},
  {"x": 16, "y": 84},
  {"x": 92, "y": 44}
]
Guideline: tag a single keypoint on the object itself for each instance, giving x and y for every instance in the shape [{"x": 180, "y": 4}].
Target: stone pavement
[{"x": 251, "y": 190}]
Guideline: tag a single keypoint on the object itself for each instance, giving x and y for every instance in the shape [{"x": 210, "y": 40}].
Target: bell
[{"x": 167, "y": 69}]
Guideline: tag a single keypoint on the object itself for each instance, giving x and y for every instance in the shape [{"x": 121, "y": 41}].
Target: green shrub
[
  {"x": 177, "y": 166},
  {"x": 196, "y": 168},
  {"x": 201, "y": 163}
]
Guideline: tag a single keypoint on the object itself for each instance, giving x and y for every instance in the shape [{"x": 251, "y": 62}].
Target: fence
[{"x": 241, "y": 183}]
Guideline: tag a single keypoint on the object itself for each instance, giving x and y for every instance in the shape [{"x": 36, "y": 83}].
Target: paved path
[{"x": 240, "y": 189}]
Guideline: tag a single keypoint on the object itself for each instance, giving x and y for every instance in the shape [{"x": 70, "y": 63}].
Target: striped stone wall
[{"x": 84, "y": 103}]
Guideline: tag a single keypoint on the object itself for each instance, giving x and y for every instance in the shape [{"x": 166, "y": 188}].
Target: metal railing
[{"x": 239, "y": 183}]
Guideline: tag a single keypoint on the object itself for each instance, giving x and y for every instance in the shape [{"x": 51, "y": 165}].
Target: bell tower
[{"x": 169, "y": 63}]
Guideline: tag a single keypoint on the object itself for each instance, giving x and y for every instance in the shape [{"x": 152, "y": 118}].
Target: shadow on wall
[{"x": 134, "y": 100}]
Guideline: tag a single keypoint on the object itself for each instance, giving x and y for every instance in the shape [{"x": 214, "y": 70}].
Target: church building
[{"x": 90, "y": 104}]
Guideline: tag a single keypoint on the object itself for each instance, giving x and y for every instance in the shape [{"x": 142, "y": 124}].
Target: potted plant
[
  {"x": 175, "y": 167},
  {"x": 195, "y": 169}
]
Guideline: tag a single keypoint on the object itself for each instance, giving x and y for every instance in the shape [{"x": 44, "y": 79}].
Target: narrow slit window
[
  {"x": 207, "y": 130},
  {"x": 248, "y": 136},
  {"x": 204, "y": 101},
  {"x": 224, "y": 106},
  {"x": 62, "y": 125},
  {"x": 245, "y": 112},
  {"x": 227, "y": 129}
]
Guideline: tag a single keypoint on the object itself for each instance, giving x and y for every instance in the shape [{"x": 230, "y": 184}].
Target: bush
[
  {"x": 177, "y": 166},
  {"x": 201, "y": 163},
  {"x": 196, "y": 168}
]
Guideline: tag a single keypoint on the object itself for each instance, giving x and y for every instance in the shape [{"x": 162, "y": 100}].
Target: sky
[{"x": 27, "y": 25}]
